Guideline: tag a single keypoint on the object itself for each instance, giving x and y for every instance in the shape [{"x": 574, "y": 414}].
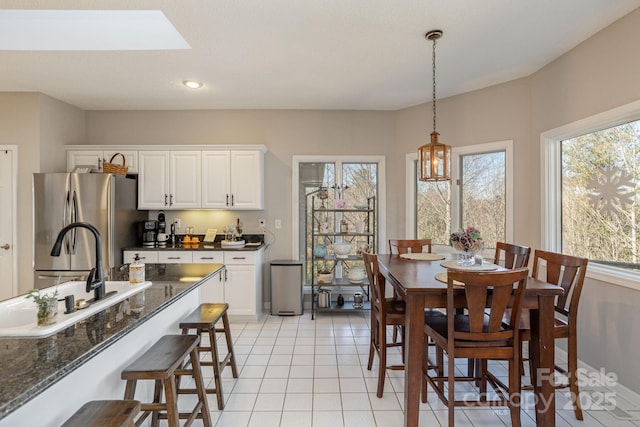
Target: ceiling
[{"x": 310, "y": 54}]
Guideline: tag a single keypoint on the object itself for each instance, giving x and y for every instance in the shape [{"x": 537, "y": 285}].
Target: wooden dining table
[{"x": 415, "y": 282}]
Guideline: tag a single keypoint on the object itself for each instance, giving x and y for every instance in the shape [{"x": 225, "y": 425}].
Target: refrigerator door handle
[
  {"x": 74, "y": 218},
  {"x": 66, "y": 219}
]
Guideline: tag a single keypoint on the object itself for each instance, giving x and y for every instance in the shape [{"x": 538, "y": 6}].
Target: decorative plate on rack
[{"x": 422, "y": 256}]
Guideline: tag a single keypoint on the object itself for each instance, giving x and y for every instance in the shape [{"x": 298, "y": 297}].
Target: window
[
  {"x": 591, "y": 198},
  {"x": 362, "y": 176},
  {"x": 479, "y": 195}
]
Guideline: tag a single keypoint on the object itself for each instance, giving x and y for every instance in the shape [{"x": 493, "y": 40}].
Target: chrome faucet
[{"x": 95, "y": 281}]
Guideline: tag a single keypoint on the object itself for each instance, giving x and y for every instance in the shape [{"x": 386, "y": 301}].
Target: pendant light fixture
[{"x": 434, "y": 159}]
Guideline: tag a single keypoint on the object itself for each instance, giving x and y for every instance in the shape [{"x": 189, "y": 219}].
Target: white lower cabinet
[
  {"x": 239, "y": 284},
  {"x": 213, "y": 289}
]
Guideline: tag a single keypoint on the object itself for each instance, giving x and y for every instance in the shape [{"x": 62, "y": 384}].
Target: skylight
[{"x": 88, "y": 30}]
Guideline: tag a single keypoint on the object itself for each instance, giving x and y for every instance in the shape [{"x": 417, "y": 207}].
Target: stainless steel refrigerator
[{"x": 106, "y": 201}]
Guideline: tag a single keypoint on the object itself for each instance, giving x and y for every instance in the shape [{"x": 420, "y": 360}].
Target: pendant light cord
[{"x": 434, "y": 83}]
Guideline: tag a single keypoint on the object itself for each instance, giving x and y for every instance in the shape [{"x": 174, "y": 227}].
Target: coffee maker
[{"x": 149, "y": 233}]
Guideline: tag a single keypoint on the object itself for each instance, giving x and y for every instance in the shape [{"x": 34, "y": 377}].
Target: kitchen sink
[{"x": 18, "y": 315}]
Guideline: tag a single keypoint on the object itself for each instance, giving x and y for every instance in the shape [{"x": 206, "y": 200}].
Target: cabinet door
[
  {"x": 153, "y": 180},
  {"x": 91, "y": 158},
  {"x": 247, "y": 180},
  {"x": 213, "y": 289},
  {"x": 131, "y": 159},
  {"x": 216, "y": 191},
  {"x": 185, "y": 180},
  {"x": 240, "y": 289}
]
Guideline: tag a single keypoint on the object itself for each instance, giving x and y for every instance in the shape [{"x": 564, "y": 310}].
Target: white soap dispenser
[{"x": 136, "y": 271}]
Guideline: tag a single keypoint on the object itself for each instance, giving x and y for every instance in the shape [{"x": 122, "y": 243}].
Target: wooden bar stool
[
  {"x": 164, "y": 363},
  {"x": 204, "y": 319},
  {"x": 105, "y": 413}
]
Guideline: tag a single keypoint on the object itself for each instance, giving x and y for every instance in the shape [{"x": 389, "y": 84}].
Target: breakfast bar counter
[{"x": 31, "y": 366}]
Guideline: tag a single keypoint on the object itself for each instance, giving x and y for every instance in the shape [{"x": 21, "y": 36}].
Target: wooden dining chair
[
  {"x": 474, "y": 335},
  {"x": 568, "y": 272},
  {"x": 397, "y": 246},
  {"x": 384, "y": 312},
  {"x": 511, "y": 256},
  {"x": 508, "y": 256},
  {"x": 403, "y": 246}
]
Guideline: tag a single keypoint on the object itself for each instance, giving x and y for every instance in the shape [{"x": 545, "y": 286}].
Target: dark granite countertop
[
  {"x": 254, "y": 242},
  {"x": 30, "y": 365},
  {"x": 202, "y": 246}
]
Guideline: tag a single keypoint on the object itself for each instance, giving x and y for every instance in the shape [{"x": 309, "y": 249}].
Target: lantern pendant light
[{"x": 434, "y": 159}]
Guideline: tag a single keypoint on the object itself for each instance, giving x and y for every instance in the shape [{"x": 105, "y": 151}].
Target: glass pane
[
  {"x": 600, "y": 197},
  {"x": 314, "y": 179},
  {"x": 362, "y": 180},
  {"x": 483, "y": 195},
  {"x": 433, "y": 211}
]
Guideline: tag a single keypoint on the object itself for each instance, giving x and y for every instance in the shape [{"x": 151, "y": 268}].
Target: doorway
[{"x": 8, "y": 195}]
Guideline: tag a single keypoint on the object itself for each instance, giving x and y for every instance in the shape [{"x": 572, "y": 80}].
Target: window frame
[
  {"x": 381, "y": 217},
  {"x": 551, "y": 186},
  {"x": 456, "y": 158}
]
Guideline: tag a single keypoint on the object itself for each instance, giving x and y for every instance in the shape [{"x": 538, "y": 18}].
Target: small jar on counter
[{"x": 136, "y": 271}]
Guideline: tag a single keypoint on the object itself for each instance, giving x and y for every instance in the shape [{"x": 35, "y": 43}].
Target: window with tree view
[
  {"x": 600, "y": 200},
  {"x": 480, "y": 201}
]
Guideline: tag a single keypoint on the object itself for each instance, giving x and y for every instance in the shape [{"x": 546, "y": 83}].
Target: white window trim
[
  {"x": 381, "y": 196},
  {"x": 456, "y": 153},
  {"x": 551, "y": 196}
]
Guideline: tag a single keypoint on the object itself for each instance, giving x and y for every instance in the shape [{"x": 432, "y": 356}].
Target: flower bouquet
[{"x": 467, "y": 242}]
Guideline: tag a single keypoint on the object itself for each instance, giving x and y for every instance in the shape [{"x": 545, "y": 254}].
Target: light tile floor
[{"x": 298, "y": 372}]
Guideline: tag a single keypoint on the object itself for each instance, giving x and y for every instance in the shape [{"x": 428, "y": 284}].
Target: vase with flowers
[{"x": 467, "y": 242}]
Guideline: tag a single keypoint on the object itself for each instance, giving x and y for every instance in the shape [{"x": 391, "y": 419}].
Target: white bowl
[{"x": 342, "y": 250}]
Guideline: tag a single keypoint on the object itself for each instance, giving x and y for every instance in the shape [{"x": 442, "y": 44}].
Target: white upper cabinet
[
  {"x": 169, "y": 180},
  {"x": 194, "y": 177},
  {"x": 216, "y": 177},
  {"x": 95, "y": 159},
  {"x": 185, "y": 180},
  {"x": 233, "y": 179}
]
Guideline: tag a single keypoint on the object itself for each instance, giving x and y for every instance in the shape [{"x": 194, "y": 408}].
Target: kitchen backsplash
[{"x": 201, "y": 220}]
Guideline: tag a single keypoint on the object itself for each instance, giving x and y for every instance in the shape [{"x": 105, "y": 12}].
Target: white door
[
  {"x": 247, "y": 179},
  {"x": 185, "y": 180},
  {"x": 8, "y": 182},
  {"x": 215, "y": 180},
  {"x": 153, "y": 180}
]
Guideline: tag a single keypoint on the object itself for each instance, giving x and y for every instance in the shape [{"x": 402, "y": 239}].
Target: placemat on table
[
  {"x": 422, "y": 256},
  {"x": 485, "y": 266},
  {"x": 442, "y": 277}
]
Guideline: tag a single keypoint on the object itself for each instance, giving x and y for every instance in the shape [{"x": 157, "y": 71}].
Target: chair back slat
[
  {"x": 511, "y": 256},
  {"x": 563, "y": 270},
  {"x": 397, "y": 246},
  {"x": 376, "y": 281},
  {"x": 496, "y": 290}
]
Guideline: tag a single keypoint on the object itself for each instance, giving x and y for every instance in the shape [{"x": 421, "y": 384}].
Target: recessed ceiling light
[{"x": 192, "y": 84}]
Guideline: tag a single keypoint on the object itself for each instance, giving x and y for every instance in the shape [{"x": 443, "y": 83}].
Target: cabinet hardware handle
[
  {"x": 165, "y": 200},
  {"x": 239, "y": 257},
  {"x": 171, "y": 200},
  {"x": 5, "y": 246},
  {"x": 174, "y": 257},
  {"x": 206, "y": 257},
  {"x": 227, "y": 200},
  {"x": 232, "y": 200}
]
